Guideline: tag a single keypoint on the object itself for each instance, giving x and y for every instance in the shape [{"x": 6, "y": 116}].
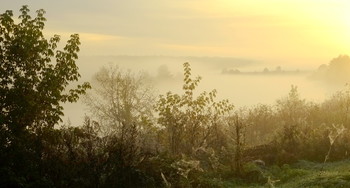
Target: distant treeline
[
  {"x": 336, "y": 72},
  {"x": 265, "y": 71}
]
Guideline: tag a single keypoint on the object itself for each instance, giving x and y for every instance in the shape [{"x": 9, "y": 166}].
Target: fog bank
[{"x": 252, "y": 86}]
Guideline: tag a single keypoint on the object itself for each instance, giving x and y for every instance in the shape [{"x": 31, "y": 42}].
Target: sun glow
[
  {"x": 321, "y": 24},
  {"x": 331, "y": 24}
]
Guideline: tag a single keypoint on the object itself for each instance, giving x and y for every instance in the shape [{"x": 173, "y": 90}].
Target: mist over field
[{"x": 257, "y": 82}]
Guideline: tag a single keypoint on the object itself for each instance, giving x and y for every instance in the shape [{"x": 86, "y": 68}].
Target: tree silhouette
[{"x": 34, "y": 75}]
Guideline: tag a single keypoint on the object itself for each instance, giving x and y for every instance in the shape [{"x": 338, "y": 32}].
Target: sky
[
  {"x": 300, "y": 32},
  {"x": 146, "y": 34}
]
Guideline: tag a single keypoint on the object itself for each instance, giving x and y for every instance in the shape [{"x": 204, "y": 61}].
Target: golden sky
[{"x": 290, "y": 31}]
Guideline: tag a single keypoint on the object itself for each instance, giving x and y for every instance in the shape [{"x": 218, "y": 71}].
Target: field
[{"x": 302, "y": 174}]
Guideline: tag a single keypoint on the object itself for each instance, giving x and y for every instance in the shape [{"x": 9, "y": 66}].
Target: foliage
[
  {"x": 237, "y": 125},
  {"x": 34, "y": 76},
  {"x": 32, "y": 86},
  {"x": 333, "y": 135},
  {"x": 263, "y": 123},
  {"x": 338, "y": 107},
  {"x": 189, "y": 120},
  {"x": 292, "y": 113},
  {"x": 291, "y": 109}
]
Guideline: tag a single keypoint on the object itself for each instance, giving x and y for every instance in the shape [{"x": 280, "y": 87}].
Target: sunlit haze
[
  {"x": 248, "y": 35},
  {"x": 299, "y": 32}
]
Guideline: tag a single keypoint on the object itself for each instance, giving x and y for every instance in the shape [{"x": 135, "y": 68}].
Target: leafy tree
[
  {"x": 338, "y": 108},
  {"x": 292, "y": 114},
  {"x": 34, "y": 75},
  {"x": 189, "y": 120},
  {"x": 292, "y": 109},
  {"x": 262, "y": 119}
]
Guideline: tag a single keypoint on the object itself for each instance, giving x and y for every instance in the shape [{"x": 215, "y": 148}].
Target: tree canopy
[{"x": 34, "y": 74}]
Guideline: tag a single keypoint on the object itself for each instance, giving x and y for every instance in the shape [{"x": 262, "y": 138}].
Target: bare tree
[{"x": 122, "y": 104}]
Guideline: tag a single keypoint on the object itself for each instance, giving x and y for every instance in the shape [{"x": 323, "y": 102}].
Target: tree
[
  {"x": 34, "y": 75},
  {"x": 32, "y": 86},
  {"x": 189, "y": 120},
  {"x": 338, "y": 108},
  {"x": 238, "y": 124},
  {"x": 263, "y": 124},
  {"x": 122, "y": 102},
  {"x": 293, "y": 113},
  {"x": 336, "y": 72},
  {"x": 292, "y": 109}
]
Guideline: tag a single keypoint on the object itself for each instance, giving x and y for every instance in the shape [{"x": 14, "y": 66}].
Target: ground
[{"x": 301, "y": 174}]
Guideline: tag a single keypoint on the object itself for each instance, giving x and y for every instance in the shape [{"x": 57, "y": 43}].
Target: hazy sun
[{"x": 322, "y": 22}]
